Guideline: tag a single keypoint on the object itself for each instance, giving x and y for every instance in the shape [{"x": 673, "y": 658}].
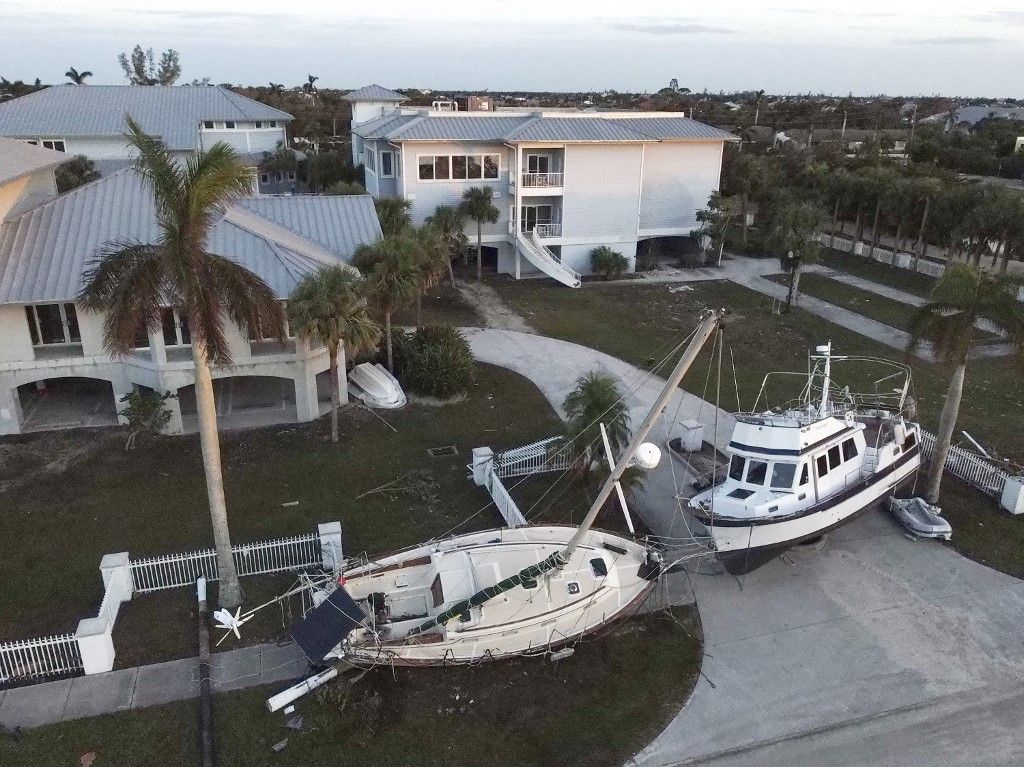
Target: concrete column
[
  {"x": 121, "y": 387},
  {"x": 117, "y": 575},
  {"x": 175, "y": 425},
  {"x": 10, "y": 408},
  {"x": 157, "y": 347},
  {"x": 307, "y": 403},
  {"x": 96, "y": 644},
  {"x": 483, "y": 460},
  {"x": 342, "y": 377},
  {"x": 330, "y": 545}
]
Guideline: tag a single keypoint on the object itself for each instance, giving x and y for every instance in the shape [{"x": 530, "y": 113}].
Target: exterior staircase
[{"x": 530, "y": 246}]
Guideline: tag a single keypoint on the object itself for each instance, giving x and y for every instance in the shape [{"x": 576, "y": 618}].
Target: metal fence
[
  {"x": 38, "y": 658},
  {"x": 542, "y": 456},
  {"x": 973, "y": 469},
  {"x": 175, "y": 570}
]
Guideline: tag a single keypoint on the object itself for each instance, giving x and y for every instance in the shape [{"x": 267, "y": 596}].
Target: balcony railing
[
  {"x": 548, "y": 230},
  {"x": 542, "y": 179}
]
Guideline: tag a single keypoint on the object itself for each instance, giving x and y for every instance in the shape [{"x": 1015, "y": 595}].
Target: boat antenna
[
  {"x": 826, "y": 351},
  {"x": 709, "y": 324}
]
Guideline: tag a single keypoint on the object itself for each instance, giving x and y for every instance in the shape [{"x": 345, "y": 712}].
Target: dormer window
[
  {"x": 259, "y": 124},
  {"x": 208, "y": 124},
  {"x": 229, "y": 124}
]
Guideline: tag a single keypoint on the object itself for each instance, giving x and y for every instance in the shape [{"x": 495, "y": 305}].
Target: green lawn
[
  {"x": 598, "y": 707},
  {"x": 879, "y": 308},
  {"x": 903, "y": 279},
  {"x": 639, "y": 323},
  {"x": 58, "y": 524},
  {"x": 443, "y": 305}
]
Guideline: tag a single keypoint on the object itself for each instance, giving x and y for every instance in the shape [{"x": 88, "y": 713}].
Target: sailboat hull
[{"x": 743, "y": 547}]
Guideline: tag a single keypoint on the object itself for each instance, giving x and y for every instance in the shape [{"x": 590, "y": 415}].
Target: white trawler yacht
[
  {"x": 492, "y": 594},
  {"x": 799, "y": 471}
]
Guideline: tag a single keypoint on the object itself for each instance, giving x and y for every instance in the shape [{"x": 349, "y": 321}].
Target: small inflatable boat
[
  {"x": 920, "y": 518},
  {"x": 376, "y": 387}
]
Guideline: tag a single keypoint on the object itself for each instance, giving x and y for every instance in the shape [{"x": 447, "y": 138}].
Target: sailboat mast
[
  {"x": 827, "y": 383},
  {"x": 708, "y": 325}
]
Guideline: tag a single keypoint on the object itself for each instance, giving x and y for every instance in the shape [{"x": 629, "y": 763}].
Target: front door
[{"x": 532, "y": 215}]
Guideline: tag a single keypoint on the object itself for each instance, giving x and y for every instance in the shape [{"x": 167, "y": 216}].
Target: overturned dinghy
[
  {"x": 920, "y": 517},
  {"x": 376, "y": 387}
]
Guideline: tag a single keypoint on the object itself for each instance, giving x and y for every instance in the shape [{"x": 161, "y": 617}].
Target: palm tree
[
  {"x": 276, "y": 88},
  {"x": 393, "y": 213},
  {"x": 925, "y": 188},
  {"x": 450, "y": 223},
  {"x": 431, "y": 257},
  {"x": 309, "y": 88},
  {"x": 794, "y": 239},
  {"x": 392, "y": 278},
  {"x": 76, "y": 77},
  {"x": 132, "y": 282},
  {"x": 596, "y": 399},
  {"x": 477, "y": 205},
  {"x": 330, "y": 307},
  {"x": 963, "y": 296}
]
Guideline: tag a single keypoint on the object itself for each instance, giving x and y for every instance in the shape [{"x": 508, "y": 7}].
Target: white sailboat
[
  {"x": 498, "y": 593},
  {"x": 801, "y": 470}
]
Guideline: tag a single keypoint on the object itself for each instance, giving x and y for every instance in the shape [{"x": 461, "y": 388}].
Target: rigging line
[
  {"x": 714, "y": 444},
  {"x": 735, "y": 380}
]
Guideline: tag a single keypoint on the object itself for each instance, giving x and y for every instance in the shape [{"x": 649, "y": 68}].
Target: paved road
[{"x": 858, "y": 652}]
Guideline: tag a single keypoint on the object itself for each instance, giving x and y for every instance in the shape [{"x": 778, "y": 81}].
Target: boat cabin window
[
  {"x": 782, "y": 475},
  {"x": 804, "y": 475},
  {"x": 736, "y": 467},
  {"x": 529, "y": 583},
  {"x": 834, "y": 459},
  {"x": 436, "y": 591},
  {"x": 741, "y": 493},
  {"x": 599, "y": 567},
  {"x": 849, "y": 449},
  {"x": 756, "y": 472},
  {"x": 910, "y": 441},
  {"x": 822, "y": 465}
]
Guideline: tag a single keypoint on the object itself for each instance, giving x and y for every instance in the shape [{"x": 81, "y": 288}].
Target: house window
[
  {"x": 387, "y": 164},
  {"x": 272, "y": 123},
  {"x": 259, "y": 124},
  {"x": 849, "y": 449},
  {"x": 208, "y": 124},
  {"x": 756, "y": 472},
  {"x": 53, "y": 324},
  {"x": 229, "y": 124},
  {"x": 458, "y": 167},
  {"x": 291, "y": 175},
  {"x": 55, "y": 144},
  {"x": 264, "y": 178},
  {"x": 175, "y": 328},
  {"x": 370, "y": 159},
  {"x": 782, "y": 475}
]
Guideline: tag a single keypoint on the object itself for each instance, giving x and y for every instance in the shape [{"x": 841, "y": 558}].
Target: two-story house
[
  {"x": 54, "y": 369},
  {"x": 90, "y": 121},
  {"x": 564, "y": 182}
]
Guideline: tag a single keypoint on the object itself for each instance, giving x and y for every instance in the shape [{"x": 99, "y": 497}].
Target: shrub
[
  {"x": 435, "y": 360},
  {"x": 607, "y": 262},
  {"x": 146, "y": 412}
]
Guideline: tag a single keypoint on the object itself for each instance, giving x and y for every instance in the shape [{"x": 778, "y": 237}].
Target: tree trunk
[
  {"x": 743, "y": 215},
  {"x": 387, "y": 340},
  {"x": 874, "y": 229},
  {"x": 451, "y": 272},
  {"x": 230, "y": 590},
  {"x": 794, "y": 287},
  {"x": 832, "y": 226},
  {"x": 947, "y": 423},
  {"x": 920, "y": 247},
  {"x": 479, "y": 251},
  {"x": 899, "y": 238},
  {"x": 332, "y": 354},
  {"x": 859, "y": 224},
  {"x": 419, "y": 310}
]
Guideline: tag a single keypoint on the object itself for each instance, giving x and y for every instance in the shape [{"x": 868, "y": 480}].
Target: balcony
[
  {"x": 548, "y": 230},
  {"x": 541, "y": 180}
]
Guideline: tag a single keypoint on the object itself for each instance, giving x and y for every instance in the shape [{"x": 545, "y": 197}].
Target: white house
[
  {"x": 564, "y": 182},
  {"x": 90, "y": 121},
  {"x": 54, "y": 369}
]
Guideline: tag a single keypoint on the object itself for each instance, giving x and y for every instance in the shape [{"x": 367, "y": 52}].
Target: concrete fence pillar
[
  {"x": 117, "y": 575},
  {"x": 858, "y": 248},
  {"x": 331, "y": 554},
  {"x": 483, "y": 463},
  {"x": 96, "y": 644}
]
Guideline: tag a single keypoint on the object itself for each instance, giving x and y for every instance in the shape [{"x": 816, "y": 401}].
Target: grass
[
  {"x": 59, "y": 521},
  {"x": 640, "y": 323},
  {"x": 872, "y": 305},
  {"x": 443, "y": 305},
  {"x": 598, "y": 707},
  {"x": 906, "y": 280},
  {"x": 981, "y": 530}
]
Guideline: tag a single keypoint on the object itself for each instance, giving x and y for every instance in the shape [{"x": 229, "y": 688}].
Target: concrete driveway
[{"x": 870, "y": 649}]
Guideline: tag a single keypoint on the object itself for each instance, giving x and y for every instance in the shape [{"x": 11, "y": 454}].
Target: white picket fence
[
  {"x": 542, "y": 456},
  {"x": 175, "y": 570},
  {"x": 971, "y": 468},
  {"x": 31, "y": 659}
]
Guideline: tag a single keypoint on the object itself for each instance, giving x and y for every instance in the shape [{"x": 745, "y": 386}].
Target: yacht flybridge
[
  {"x": 798, "y": 471},
  {"x": 493, "y": 594}
]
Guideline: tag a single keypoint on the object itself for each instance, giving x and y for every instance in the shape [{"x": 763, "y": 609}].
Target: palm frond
[{"x": 244, "y": 297}]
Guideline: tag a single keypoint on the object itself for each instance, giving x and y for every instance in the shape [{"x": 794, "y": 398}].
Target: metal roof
[
  {"x": 19, "y": 158},
  {"x": 44, "y": 252},
  {"x": 172, "y": 112},
  {"x": 452, "y": 126},
  {"x": 374, "y": 92}
]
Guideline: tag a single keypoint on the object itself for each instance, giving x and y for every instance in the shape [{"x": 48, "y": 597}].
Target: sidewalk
[{"x": 145, "y": 686}]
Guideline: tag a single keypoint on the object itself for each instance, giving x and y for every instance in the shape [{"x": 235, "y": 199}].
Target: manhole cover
[{"x": 441, "y": 452}]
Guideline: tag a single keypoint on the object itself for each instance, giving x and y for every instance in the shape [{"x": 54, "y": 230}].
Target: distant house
[
  {"x": 91, "y": 122},
  {"x": 564, "y": 182},
  {"x": 972, "y": 115},
  {"x": 54, "y": 369}
]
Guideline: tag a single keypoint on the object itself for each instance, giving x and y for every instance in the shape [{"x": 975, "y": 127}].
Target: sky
[{"x": 863, "y": 47}]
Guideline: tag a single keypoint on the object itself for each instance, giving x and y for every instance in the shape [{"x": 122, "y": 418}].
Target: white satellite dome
[{"x": 647, "y": 456}]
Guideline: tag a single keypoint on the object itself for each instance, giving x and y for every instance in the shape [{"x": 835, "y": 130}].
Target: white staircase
[{"x": 541, "y": 257}]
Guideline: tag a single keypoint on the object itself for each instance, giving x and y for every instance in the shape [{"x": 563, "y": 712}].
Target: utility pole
[{"x": 842, "y": 132}]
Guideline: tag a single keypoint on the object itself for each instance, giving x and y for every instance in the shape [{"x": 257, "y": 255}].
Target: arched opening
[
  {"x": 67, "y": 403},
  {"x": 243, "y": 402},
  {"x": 679, "y": 251}
]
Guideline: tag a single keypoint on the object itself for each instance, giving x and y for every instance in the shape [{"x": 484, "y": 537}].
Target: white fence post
[
  {"x": 96, "y": 644},
  {"x": 330, "y": 545},
  {"x": 117, "y": 575}
]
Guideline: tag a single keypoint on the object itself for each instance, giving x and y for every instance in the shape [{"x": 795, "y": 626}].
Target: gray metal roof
[
  {"x": 448, "y": 126},
  {"x": 44, "y": 252},
  {"x": 172, "y": 112},
  {"x": 374, "y": 92},
  {"x": 18, "y": 158}
]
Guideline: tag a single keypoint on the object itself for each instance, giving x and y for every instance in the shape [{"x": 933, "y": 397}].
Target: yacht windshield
[
  {"x": 736, "y": 467},
  {"x": 757, "y": 472},
  {"x": 782, "y": 475}
]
